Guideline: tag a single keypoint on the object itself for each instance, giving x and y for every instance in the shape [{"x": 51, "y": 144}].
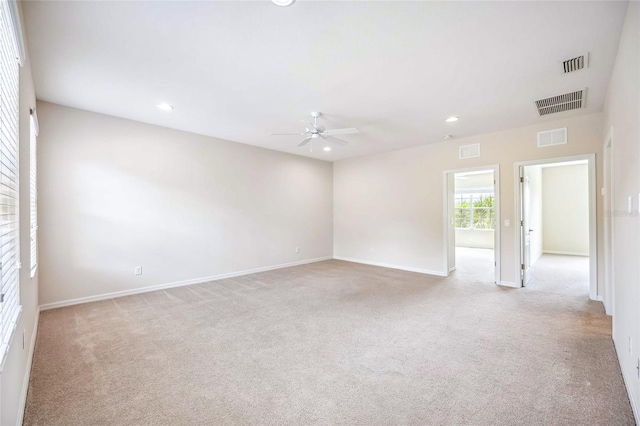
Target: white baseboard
[
  {"x": 566, "y": 253},
  {"x": 27, "y": 373},
  {"x": 509, "y": 284},
  {"x": 387, "y": 265},
  {"x": 627, "y": 384},
  {"x": 115, "y": 294},
  {"x": 453, "y": 268}
]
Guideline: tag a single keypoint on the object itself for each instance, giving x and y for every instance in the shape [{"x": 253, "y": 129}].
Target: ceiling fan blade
[
  {"x": 288, "y": 134},
  {"x": 313, "y": 126},
  {"x": 349, "y": 131},
  {"x": 335, "y": 140},
  {"x": 304, "y": 142}
]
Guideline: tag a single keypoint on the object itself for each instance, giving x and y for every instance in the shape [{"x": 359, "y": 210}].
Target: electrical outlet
[
  {"x": 297, "y": 249},
  {"x": 138, "y": 270}
]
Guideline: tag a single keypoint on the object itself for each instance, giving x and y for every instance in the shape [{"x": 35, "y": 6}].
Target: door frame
[
  {"x": 593, "y": 249},
  {"x": 608, "y": 201},
  {"x": 448, "y": 215}
]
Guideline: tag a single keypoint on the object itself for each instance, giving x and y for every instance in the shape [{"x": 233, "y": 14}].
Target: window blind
[
  {"x": 9, "y": 98},
  {"x": 33, "y": 191}
]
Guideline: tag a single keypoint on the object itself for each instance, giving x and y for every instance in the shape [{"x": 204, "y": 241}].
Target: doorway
[
  {"x": 472, "y": 210},
  {"x": 556, "y": 202}
]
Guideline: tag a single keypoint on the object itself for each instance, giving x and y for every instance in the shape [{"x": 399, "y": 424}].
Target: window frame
[
  {"x": 472, "y": 196},
  {"x": 11, "y": 58},
  {"x": 33, "y": 191}
]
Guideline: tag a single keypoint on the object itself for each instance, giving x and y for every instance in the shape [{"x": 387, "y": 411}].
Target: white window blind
[
  {"x": 33, "y": 191},
  {"x": 9, "y": 261}
]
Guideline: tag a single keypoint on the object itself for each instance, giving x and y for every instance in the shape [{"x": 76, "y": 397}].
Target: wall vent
[
  {"x": 552, "y": 137},
  {"x": 470, "y": 151},
  {"x": 576, "y": 64},
  {"x": 560, "y": 103}
]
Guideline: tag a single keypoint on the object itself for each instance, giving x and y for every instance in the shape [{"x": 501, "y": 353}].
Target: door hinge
[
  {"x": 1, "y": 298},
  {"x": 522, "y": 266},
  {"x": 522, "y": 179},
  {"x": 522, "y": 223}
]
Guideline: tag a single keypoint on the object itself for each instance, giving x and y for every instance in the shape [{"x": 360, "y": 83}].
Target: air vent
[
  {"x": 552, "y": 137},
  {"x": 470, "y": 151},
  {"x": 575, "y": 64},
  {"x": 560, "y": 103}
]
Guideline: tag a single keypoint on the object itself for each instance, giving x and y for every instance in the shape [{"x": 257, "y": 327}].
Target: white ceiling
[{"x": 395, "y": 70}]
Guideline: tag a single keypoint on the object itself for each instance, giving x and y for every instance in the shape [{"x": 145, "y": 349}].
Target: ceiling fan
[{"x": 319, "y": 132}]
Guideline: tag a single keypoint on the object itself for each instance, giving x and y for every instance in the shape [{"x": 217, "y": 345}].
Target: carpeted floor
[{"x": 330, "y": 343}]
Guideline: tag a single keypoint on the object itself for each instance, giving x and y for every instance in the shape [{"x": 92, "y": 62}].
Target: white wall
[
  {"x": 622, "y": 115},
  {"x": 475, "y": 238},
  {"x": 565, "y": 209},
  {"x": 475, "y": 181},
  {"x": 393, "y": 201},
  {"x": 14, "y": 375},
  {"x": 116, "y": 194},
  {"x": 534, "y": 174}
]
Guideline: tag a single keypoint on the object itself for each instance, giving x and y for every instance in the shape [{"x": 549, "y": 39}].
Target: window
[
  {"x": 9, "y": 260},
  {"x": 474, "y": 210},
  {"x": 33, "y": 191}
]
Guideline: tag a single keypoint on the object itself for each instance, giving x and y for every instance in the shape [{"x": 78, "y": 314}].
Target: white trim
[
  {"x": 566, "y": 253},
  {"x": 445, "y": 224},
  {"x": 496, "y": 212},
  {"x": 593, "y": 259},
  {"x": 27, "y": 374},
  {"x": 509, "y": 284},
  {"x": 388, "y": 265},
  {"x": 627, "y": 384},
  {"x": 608, "y": 202},
  {"x": 115, "y": 294},
  {"x": 453, "y": 268}
]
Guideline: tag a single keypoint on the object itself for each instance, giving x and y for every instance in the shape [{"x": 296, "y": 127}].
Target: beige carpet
[{"x": 330, "y": 343}]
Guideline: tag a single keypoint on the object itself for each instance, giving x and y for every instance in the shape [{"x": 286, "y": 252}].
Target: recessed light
[
  {"x": 326, "y": 148},
  {"x": 452, "y": 119},
  {"x": 283, "y": 3},
  {"x": 165, "y": 106}
]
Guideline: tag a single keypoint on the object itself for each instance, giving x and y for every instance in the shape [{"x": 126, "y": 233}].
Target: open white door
[{"x": 525, "y": 232}]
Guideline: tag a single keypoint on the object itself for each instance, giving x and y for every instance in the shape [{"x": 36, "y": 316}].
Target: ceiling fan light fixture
[
  {"x": 283, "y": 3},
  {"x": 326, "y": 148},
  {"x": 452, "y": 119}
]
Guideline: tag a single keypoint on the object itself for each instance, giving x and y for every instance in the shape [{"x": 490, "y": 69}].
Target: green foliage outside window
[{"x": 474, "y": 211}]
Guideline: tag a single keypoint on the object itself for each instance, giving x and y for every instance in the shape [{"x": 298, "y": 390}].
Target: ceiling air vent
[
  {"x": 575, "y": 64},
  {"x": 560, "y": 103},
  {"x": 470, "y": 151},
  {"x": 552, "y": 137}
]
